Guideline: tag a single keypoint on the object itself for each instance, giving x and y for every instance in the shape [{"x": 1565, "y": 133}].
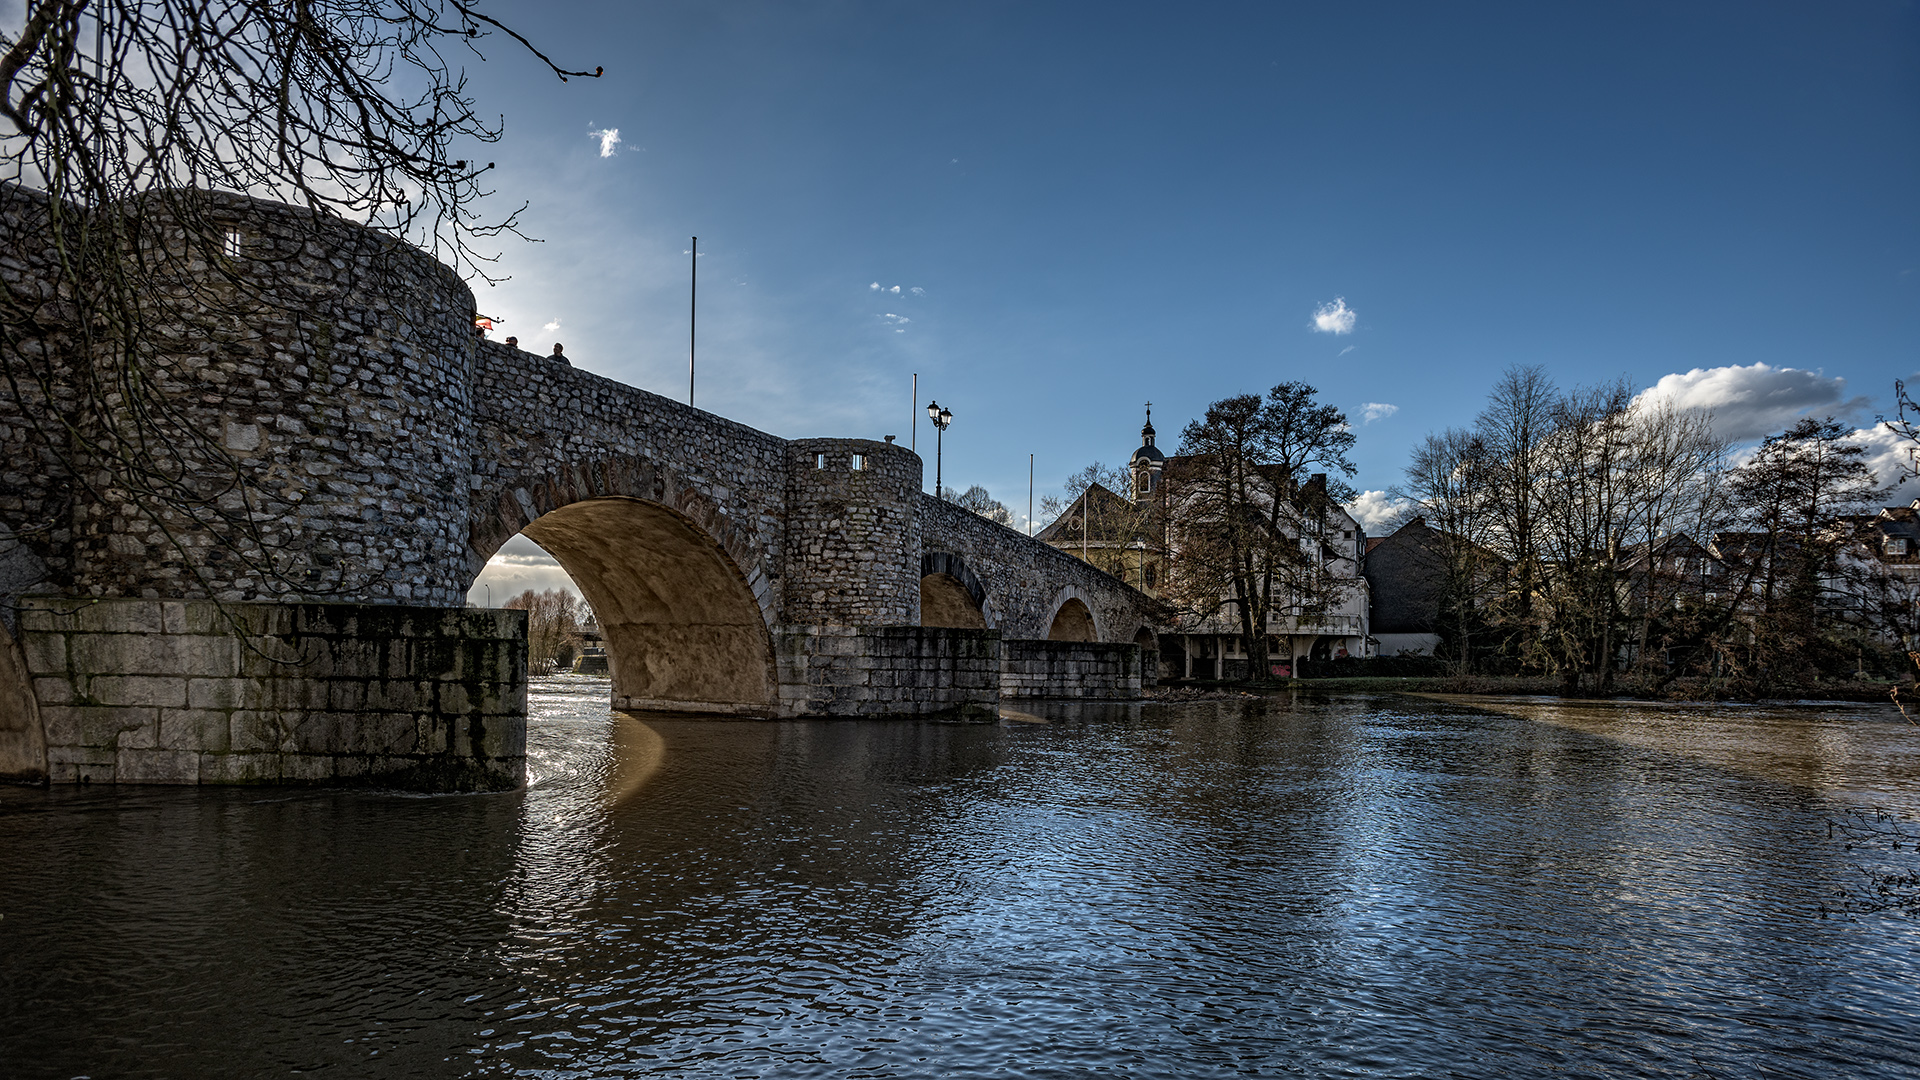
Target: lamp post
[{"x": 941, "y": 418}]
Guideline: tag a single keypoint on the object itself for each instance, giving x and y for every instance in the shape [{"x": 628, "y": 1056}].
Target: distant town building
[{"x": 1137, "y": 538}]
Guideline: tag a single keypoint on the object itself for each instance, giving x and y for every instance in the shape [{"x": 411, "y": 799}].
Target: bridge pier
[{"x": 193, "y": 692}]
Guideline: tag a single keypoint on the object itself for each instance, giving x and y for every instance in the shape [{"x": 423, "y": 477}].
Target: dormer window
[{"x": 1896, "y": 545}]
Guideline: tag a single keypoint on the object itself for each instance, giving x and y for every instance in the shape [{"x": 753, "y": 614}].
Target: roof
[{"x": 1109, "y": 517}]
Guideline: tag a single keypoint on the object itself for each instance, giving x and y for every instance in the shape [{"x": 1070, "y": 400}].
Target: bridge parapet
[{"x": 1026, "y": 582}]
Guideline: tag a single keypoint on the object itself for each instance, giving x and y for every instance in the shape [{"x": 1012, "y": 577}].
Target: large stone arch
[
  {"x": 678, "y": 588},
  {"x": 1068, "y": 607},
  {"x": 951, "y": 594}
]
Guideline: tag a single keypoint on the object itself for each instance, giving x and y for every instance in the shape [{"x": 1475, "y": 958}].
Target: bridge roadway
[{"x": 306, "y": 624}]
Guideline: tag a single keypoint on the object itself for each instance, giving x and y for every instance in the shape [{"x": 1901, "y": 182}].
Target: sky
[{"x": 1054, "y": 213}]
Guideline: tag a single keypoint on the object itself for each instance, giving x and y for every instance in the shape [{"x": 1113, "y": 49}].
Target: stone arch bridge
[{"x": 388, "y": 455}]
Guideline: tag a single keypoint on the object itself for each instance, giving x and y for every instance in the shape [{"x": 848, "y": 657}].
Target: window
[
  {"x": 1148, "y": 575},
  {"x": 1896, "y": 545},
  {"x": 859, "y": 461},
  {"x": 819, "y": 461},
  {"x": 231, "y": 244}
]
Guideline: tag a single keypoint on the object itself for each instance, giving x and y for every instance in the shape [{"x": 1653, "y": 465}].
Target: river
[{"x": 1365, "y": 886}]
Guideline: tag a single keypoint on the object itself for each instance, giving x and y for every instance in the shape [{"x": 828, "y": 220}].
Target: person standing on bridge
[{"x": 557, "y": 355}]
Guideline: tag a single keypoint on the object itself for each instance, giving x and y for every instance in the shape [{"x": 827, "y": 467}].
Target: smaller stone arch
[
  {"x": 1073, "y": 618},
  {"x": 951, "y": 595}
]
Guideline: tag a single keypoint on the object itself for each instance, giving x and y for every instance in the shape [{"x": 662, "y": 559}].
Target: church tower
[{"x": 1147, "y": 462}]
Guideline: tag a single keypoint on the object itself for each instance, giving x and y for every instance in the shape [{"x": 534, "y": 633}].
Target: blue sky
[{"x": 1089, "y": 206}]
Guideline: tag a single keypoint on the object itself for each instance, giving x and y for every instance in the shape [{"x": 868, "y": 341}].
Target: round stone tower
[
  {"x": 307, "y": 383},
  {"x": 853, "y": 533}
]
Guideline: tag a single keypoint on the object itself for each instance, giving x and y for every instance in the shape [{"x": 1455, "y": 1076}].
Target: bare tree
[
  {"x": 1246, "y": 519},
  {"x": 120, "y": 116},
  {"x": 979, "y": 500},
  {"x": 1449, "y": 481},
  {"x": 1513, "y": 430},
  {"x": 554, "y": 620}
]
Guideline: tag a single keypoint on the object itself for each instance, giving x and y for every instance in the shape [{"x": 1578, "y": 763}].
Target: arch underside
[
  {"x": 946, "y": 601},
  {"x": 683, "y": 629},
  {"x": 1073, "y": 622}
]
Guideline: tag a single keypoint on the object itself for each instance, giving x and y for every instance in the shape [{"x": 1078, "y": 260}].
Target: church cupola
[{"x": 1147, "y": 461}]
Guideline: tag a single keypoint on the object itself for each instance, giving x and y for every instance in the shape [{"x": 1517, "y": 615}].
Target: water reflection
[{"x": 1361, "y": 886}]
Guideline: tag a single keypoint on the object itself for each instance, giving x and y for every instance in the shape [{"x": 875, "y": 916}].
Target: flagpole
[{"x": 693, "y": 296}]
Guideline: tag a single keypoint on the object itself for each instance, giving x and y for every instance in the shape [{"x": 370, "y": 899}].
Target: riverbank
[{"x": 1542, "y": 685}]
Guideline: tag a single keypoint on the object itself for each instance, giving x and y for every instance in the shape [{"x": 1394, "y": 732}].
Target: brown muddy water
[{"x": 1367, "y": 886}]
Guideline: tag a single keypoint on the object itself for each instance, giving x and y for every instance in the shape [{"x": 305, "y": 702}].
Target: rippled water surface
[{"x": 1371, "y": 886}]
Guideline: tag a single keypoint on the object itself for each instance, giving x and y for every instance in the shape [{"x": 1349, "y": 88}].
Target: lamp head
[{"x": 933, "y": 410}]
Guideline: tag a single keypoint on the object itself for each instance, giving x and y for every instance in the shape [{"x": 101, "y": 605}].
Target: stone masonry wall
[
  {"x": 36, "y": 504},
  {"x": 1081, "y": 670},
  {"x": 166, "y": 692},
  {"x": 1025, "y": 579},
  {"x": 311, "y": 389},
  {"x": 547, "y": 435},
  {"x": 889, "y": 671},
  {"x": 853, "y": 535}
]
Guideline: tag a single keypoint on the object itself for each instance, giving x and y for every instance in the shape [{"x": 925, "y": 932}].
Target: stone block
[
  {"x": 322, "y": 731},
  {"x": 159, "y": 691},
  {"x": 397, "y": 695},
  {"x": 455, "y": 699},
  {"x": 431, "y": 734},
  {"x": 277, "y": 658},
  {"x": 156, "y": 654},
  {"x": 145, "y": 766},
  {"x": 296, "y": 693},
  {"x": 36, "y": 619},
  {"x": 251, "y": 730},
  {"x": 194, "y": 729},
  {"x": 97, "y": 725},
  {"x": 46, "y": 654},
  {"x": 226, "y": 694},
  {"x": 505, "y": 737},
  {"x": 346, "y": 695},
  {"x": 89, "y": 756},
  {"x": 120, "y": 617},
  {"x": 306, "y": 768},
  {"x": 53, "y": 691},
  {"x": 240, "y": 768}
]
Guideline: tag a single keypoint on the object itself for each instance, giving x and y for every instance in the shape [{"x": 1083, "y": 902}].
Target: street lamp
[{"x": 941, "y": 418}]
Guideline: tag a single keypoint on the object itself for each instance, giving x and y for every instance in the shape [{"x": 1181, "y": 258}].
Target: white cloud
[
  {"x": 875, "y": 286},
  {"x": 895, "y": 290},
  {"x": 1890, "y": 456},
  {"x": 894, "y": 320},
  {"x": 519, "y": 565},
  {"x": 1753, "y": 401},
  {"x": 1348, "y": 349},
  {"x": 917, "y": 291},
  {"x": 1377, "y": 410},
  {"x": 554, "y": 325},
  {"x": 609, "y": 140},
  {"x": 1335, "y": 318},
  {"x": 1376, "y": 511}
]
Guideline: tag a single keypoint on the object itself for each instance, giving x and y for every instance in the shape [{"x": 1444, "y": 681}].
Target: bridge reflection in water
[{"x": 1353, "y": 887}]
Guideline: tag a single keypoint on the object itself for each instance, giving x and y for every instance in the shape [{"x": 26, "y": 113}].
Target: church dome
[{"x": 1147, "y": 452}]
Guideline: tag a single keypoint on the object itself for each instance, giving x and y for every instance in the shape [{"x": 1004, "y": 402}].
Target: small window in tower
[
  {"x": 1150, "y": 575},
  {"x": 230, "y": 245},
  {"x": 819, "y": 461},
  {"x": 859, "y": 461}
]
